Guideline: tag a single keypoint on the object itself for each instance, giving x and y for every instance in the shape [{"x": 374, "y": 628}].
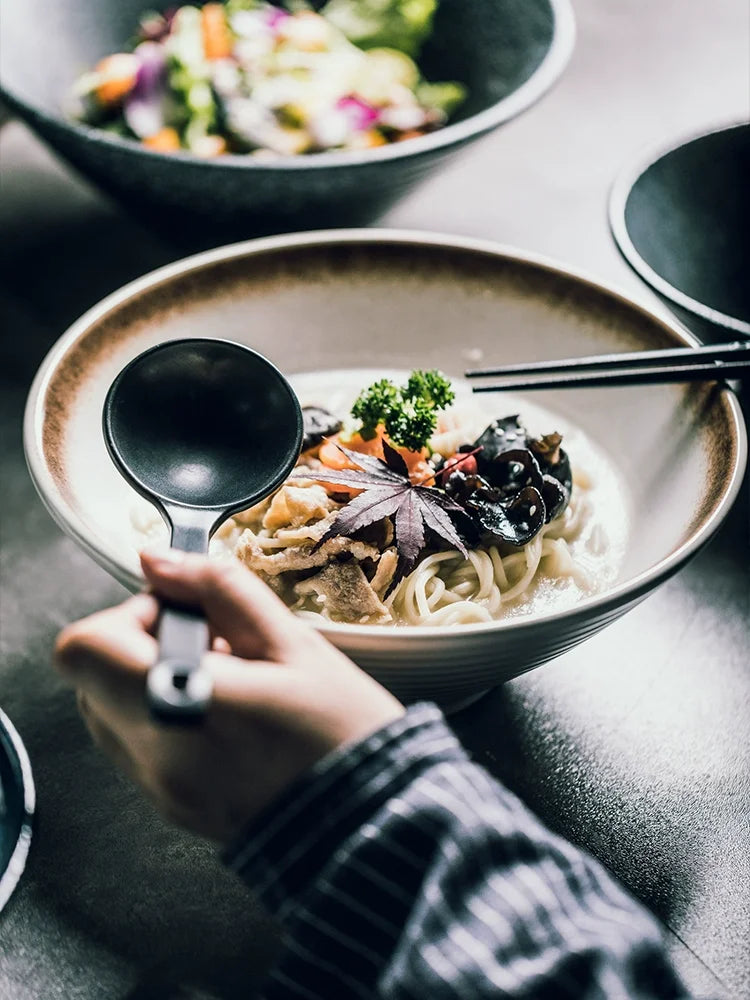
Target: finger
[
  {"x": 241, "y": 608},
  {"x": 142, "y": 610},
  {"x": 281, "y": 689},
  {"x": 108, "y": 653},
  {"x": 316, "y": 709},
  {"x": 136, "y": 616},
  {"x": 247, "y": 684}
]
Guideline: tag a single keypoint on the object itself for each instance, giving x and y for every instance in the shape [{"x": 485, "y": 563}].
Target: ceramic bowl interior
[
  {"x": 374, "y": 299},
  {"x": 508, "y": 54},
  {"x": 678, "y": 220}
]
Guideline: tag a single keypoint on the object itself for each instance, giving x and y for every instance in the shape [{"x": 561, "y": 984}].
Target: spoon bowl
[{"x": 202, "y": 428}]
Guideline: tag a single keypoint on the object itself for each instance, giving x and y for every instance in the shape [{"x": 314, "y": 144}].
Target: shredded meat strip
[
  {"x": 385, "y": 572},
  {"x": 293, "y": 506},
  {"x": 299, "y": 557},
  {"x": 347, "y": 595}
]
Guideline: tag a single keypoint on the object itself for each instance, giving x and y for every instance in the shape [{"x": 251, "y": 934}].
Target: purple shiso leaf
[
  {"x": 443, "y": 501},
  {"x": 409, "y": 528},
  {"x": 371, "y": 463},
  {"x": 354, "y": 478},
  {"x": 436, "y": 518},
  {"x": 394, "y": 460},
  {"x": 368, "y": 508},
  {"x": 143, "y": 109}
]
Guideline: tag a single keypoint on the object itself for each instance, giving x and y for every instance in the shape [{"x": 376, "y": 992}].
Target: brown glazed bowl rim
[
  {"x": 541, "y": 80},
  {"x": 619, "y": 596}
]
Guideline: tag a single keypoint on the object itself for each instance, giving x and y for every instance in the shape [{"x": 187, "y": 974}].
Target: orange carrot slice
[
  {"x": 217, "y": 38},
  {"x": 166, "y": 140},
  {"x": 117, "y": 75},
  {"x": 331, "y": 455},
  {"x": 416, "y": 461},
  {"x": 413, "y": 133}
]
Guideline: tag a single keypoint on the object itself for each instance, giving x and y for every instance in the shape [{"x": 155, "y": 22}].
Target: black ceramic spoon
[{"x": 202, "y": 428}]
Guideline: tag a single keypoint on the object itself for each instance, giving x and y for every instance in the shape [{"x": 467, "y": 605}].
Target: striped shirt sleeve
[{"x": 399, "y": 869}]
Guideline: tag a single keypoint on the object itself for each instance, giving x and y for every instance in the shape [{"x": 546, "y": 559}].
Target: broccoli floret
[
  {"x": 432, "y": 386},
  {"x": 408, "y": 413},
  {"x": 394, "y": 24},
  {"x": 441, "y": 97},
  {"x": 373, "y": 406},
  {"x": 412, "y": 423}
]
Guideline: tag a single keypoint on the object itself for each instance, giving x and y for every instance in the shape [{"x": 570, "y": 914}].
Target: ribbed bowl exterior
[{"x": 457, "y": 666}]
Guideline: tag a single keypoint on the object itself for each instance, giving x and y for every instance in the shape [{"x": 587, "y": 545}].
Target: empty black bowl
[
  {"x": 507, "y": 52},
  {"x": 680, "y": 218}
]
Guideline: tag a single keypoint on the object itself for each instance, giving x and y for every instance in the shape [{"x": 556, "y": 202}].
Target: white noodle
[{"x": 446, "y": 589}]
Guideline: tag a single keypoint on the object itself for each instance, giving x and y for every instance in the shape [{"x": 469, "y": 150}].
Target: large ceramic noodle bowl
[{"x": 573, "y": 505}]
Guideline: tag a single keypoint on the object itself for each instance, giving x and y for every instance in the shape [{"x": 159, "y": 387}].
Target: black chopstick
[
  {"x": 627, "y": 359},
  {"x": 647, "y": 375}
]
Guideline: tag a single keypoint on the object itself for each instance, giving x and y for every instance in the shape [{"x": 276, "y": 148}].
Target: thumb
[{"x": 239, "y": 607}]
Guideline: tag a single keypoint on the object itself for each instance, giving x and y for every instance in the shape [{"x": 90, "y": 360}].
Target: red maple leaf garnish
[{"x": 388, "y": 492}]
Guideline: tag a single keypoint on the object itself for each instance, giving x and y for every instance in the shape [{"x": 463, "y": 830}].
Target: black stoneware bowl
[
  {"x": 681, "y": 218},
  {"x": 507, "y": 52}
]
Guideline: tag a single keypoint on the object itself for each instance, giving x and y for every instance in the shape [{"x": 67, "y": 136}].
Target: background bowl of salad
[{"x": 231, "y": 119}]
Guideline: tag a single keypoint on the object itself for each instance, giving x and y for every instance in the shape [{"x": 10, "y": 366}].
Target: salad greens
[
  {"x": 395, "y": 24},
  {"x": 248, "y": 76}
]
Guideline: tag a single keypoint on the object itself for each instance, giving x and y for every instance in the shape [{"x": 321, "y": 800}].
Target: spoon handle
[{"x": 178, "y": 688}]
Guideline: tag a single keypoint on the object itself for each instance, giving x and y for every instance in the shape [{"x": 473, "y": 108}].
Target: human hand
[{"x": 283, "y": 697}]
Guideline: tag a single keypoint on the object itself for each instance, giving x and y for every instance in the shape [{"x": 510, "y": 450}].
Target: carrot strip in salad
[
  {"x": 116, "y": 77},
  {"x": 217, "y": 38},
  {"x": 166, "y": 140}
]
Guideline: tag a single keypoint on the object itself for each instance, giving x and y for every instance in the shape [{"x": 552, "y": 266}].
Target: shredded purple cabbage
[
  {"x": 361, "y": 115},
  {"x": 143, "y": 109}
]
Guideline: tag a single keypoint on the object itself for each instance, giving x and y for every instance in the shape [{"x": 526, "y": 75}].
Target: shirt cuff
[{"x": 281, "y": 853}]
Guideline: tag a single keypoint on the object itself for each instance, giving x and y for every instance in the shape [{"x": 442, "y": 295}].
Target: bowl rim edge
[{"x": 625, "y": 180}]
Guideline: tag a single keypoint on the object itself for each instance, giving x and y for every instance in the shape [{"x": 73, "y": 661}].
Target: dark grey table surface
[{"x": 634, "y": 745}]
